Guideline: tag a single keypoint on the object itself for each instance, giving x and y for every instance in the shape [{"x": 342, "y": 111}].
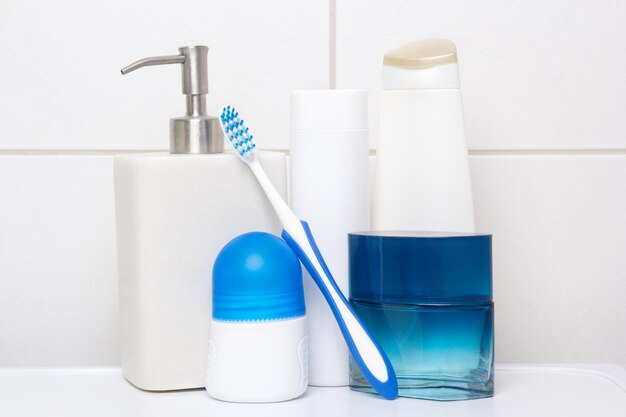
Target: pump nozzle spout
[
  {"x": 155, "y": 60},
  {"x": 195, "y": 132}
]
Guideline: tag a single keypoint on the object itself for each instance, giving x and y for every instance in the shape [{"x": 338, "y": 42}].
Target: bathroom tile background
[
  {"x": 543, "y": 95},
  {"x": 535, "y": 75},
  {"x": 58, "y": 289},
  {"x": 60, "y": 67}
]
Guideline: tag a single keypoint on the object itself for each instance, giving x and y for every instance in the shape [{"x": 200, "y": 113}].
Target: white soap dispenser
[
  {"x": 422, "y": 179},
  {"x": 175, "y": 211}
]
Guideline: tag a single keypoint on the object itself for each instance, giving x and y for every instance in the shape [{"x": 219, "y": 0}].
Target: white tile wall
[
  {"x": 535, "y": 76},
  {"x": 559, "y": 239},
  {"x": 58, "y": 281},
  {"x": 61, "y": 87}
]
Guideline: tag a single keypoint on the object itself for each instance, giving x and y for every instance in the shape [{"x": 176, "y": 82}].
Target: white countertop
[{"x": 521, "y": 390}]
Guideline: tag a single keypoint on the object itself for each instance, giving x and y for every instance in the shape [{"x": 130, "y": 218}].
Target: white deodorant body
[
  {"x": 263, "y": 361},
  {"x": 330, "y": 191}
]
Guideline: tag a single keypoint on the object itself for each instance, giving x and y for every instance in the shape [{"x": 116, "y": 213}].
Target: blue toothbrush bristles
[{"x": 236, "y": 131}]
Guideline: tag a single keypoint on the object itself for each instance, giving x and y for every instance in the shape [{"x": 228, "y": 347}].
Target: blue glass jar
[{"x": 427, "y": 299}]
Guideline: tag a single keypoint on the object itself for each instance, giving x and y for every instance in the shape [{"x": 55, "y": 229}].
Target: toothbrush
[{"x": 366, "y": 352}]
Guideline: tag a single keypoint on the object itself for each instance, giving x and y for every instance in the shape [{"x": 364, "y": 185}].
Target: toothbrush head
[{"x": 237, "y": 133}]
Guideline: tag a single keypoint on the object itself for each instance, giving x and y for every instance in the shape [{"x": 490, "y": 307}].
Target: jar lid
[
  {"x": 420, "y": 267},
  {"x": 257, "y": 276}
]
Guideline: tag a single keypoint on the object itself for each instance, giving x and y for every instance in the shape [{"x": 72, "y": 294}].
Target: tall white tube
[{"x": 329, "y": 190}]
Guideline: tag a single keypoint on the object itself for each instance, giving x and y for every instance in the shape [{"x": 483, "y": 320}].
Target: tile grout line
[
  {"x": 77, "y": 152},
  {"x": 545, "y": 152},
  {"x": 471, "y": 152},
  {"x": 332, "y": 44}
]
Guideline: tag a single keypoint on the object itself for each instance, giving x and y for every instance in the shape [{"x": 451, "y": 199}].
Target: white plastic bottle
[
  {"x": 422, "y": 179},
  {"x": 329, "y": 189},
  {"x": 174, "y": 212}
]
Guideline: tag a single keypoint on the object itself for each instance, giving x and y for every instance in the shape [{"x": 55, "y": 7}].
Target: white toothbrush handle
[
  {"x": 284, "y": 213},
  {"x": 368, "y": 355}
]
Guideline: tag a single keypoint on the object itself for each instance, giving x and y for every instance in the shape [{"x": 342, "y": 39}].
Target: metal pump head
[{"x": 195, "y": 132}]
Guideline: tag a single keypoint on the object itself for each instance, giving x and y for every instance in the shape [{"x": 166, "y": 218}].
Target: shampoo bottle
[
  {"x": 422, "y": 179},
  {"x": 175, "y": 211}
]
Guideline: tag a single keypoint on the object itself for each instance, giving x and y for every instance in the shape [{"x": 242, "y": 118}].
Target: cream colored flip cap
[{"x": 425, "y": 53}]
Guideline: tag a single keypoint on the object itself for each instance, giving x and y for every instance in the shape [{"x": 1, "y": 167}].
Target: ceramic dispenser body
[
  {"x": 422, "y": 179},
  {"x": 174, "y": 212}
]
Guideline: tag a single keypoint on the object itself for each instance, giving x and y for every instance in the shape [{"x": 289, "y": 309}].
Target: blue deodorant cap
[{"x": 257, "y": 276}]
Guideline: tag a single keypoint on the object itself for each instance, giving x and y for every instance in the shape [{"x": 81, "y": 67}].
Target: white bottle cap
[
  {"x": 423, "y": 64},
  {"x": 328, "y": 109}
]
